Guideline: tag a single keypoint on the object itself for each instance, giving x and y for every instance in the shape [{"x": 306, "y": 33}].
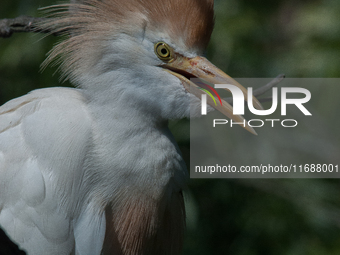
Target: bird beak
[{"x": 199, "y": 67}]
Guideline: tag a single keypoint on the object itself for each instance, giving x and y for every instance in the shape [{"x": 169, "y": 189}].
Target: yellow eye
[{"x": 164, "y": 51}]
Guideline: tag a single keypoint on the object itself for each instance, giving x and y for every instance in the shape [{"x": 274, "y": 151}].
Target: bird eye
[{"x": 163, "y": 51}]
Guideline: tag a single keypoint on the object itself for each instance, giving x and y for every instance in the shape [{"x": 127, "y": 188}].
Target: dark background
[{"x": 251, "y": 39}]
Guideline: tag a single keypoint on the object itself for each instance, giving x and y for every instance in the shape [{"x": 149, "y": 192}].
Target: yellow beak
[{"x": 199, "y": 67}]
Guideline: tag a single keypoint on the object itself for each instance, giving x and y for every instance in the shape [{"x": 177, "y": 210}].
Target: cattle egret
[{"x": 95, "y": 169}]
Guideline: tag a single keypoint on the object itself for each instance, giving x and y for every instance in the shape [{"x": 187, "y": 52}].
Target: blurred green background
[{"x": 262, "y": 38}]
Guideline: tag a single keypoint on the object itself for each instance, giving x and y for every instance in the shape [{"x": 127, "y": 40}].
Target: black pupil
[{"x": 164, "y": 51}]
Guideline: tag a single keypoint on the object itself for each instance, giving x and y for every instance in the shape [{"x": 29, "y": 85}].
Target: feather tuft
[{"x": 88, "y": 25}]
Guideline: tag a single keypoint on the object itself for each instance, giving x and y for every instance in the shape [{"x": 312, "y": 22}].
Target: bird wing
[{"x": 44, "y": 138}]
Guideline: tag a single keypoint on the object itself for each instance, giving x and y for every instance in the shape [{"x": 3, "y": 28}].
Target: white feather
[
  {"x": 89, "y": 232},
  {"x": 62, "y": 149},
  {"x": 67, "y": 154},
  {"x": 42, "y": 142}
]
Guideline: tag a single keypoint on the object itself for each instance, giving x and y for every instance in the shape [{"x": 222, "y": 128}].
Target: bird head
[{"x": 145, "y": 52}]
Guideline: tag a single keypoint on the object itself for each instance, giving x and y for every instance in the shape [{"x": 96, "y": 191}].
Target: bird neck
[
  {"x": 130, "y": 130},
  {"x": 139, "y": 171},
  {"x": 133, "y": 149}
]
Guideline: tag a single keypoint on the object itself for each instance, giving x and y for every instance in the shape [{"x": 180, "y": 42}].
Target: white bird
[{"x": 95, "y": 169}]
